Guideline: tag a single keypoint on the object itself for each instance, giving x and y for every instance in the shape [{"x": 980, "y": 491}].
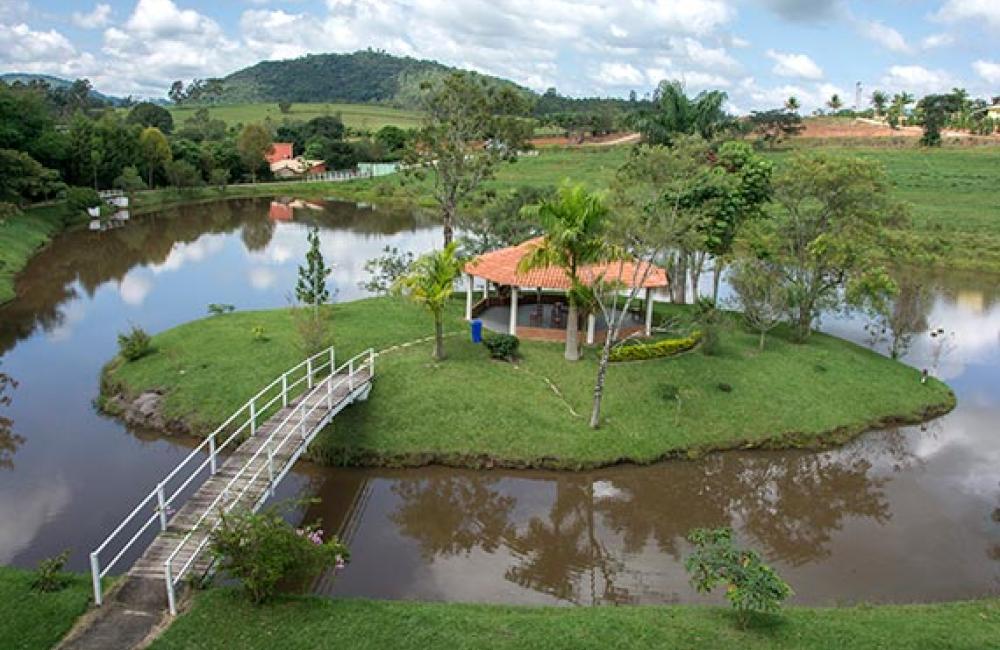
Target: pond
[{"x": 908, "y": 514}]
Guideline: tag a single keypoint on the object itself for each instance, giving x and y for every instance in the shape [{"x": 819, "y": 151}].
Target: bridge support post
[
  {"x": 95, "y": 576},
  {"x": 329, "y": 392},
  {"x": 168, "y": 575},
  {"x": 161, "y": 504},
  {"x": 309, "y": 371},
  {"x": 211, "y": 454},
  {"x": 253, "y": 418},
  {"x": 284, "y": 391},
  {"x": 333, "y": 362}
]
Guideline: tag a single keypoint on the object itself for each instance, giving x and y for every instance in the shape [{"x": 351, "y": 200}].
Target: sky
[{"x": 759, "y": 51}]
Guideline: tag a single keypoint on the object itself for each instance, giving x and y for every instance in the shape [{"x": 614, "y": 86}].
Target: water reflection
[{"x": 9, "y": 441}]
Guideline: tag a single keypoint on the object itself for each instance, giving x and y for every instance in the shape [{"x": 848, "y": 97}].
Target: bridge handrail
[
  {"x": 174, "y": 577},
  {"x": 288, "y": 382}
]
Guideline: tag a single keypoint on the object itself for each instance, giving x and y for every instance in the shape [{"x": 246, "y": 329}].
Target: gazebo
[{"x": 540, "y": 312}]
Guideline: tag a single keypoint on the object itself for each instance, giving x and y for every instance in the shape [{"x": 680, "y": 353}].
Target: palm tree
[
  {"x": 431, "y": 283},
  {"x": 835, "y": 103},
  {"x": 879, "y": 101},
  {"x": 675, "y": 113},
  {"x": 792, "y": 104},
  {"x": 573, "y": 223}
]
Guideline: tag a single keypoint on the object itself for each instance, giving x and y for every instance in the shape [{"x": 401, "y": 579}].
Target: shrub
[
  {"x": 258, "y": 334},
  {"x": 724, "y": 387},
  {"x": 502, "y": 346},
  {"x": 49, "y": 576},
  {"x": 78, "y": 199},
  {"x": 218, "y": 309},
  {"x": 262, "y": 550},
  {"x": 663, "y": 348},
  {"x": 313, "y": 329},
  {"x": 751, "y": 585},
  {"x": 708, "y": 318},
  {"x": 134, "y": 344}
]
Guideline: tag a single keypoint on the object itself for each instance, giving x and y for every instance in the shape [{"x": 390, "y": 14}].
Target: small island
[{"x": 473, "y": 411}]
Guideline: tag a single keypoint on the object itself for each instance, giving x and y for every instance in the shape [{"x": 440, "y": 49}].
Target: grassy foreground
[
  {"x": 30, "y": 620},
  {"x": 221, "y": 619},
  {"x": 471, "y": 411}
]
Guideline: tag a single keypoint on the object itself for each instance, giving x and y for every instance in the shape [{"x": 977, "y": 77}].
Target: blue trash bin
[{"x": 476, "y": 325}]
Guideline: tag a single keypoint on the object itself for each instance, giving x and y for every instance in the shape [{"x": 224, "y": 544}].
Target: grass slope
[
  {"x": 471, "y": 411},
  {"x": 369, "y": 117},
  {"x": 30, "y": 620},
  {"x": 221, "y": 619},
  {"x": 20, "y": 238}
]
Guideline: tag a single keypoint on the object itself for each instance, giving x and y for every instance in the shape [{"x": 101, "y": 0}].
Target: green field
[
  {"x": 36, "y": 621},
  {"x": 221, "y": 619},
  {"x": 363, "y": 117},
  {"x": 535, "y": 413}
]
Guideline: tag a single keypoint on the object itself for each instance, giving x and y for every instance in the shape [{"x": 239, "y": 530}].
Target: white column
[
  {"x": 591, "y": 326},
  {"x": 513, "y": 311},
  {"x": 468, "y": 297},
  {"x": 649, "y": 312},
  {"x": 486, "y": 289}
]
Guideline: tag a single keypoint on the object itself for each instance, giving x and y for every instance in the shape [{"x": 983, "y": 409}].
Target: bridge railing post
[
  {"x": 371, "y": 363},
  {"x": 161, "y": 504},
  {"x": 309, "y": 373},
  {"x": 95, "y": 576},
  {"x": 211, "y": 455},
  {"x": 350, "y": 375},
  {"x": 284, "y": 390},
  {"x": 253, "y": 418},
  {"x": 270, "y": 469},
  {"x": 168, "y": 575},
  {"x": 329, "y": 392},
  {"x": 333, "y": 361}
]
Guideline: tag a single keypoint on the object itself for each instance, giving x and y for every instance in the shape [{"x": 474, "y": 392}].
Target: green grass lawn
[
  {"x": 30, "y": 620},
  {"x": 472, "y": 411},
  {"x": 222, "y": 619},
  {"x": 370, "y": 117}
]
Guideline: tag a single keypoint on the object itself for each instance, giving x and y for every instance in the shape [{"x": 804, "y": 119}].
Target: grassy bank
[
  {"x": 20, "y": 238},
  {"x": 220, "y": 619},
  {"x": 30, "y": 620},
  {"x": 470, "y": 411}
]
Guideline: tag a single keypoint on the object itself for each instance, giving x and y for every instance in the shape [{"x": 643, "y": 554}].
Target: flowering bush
[{"x": 262, "y": 550}]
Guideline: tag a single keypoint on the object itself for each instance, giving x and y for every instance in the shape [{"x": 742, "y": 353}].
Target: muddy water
[{"x": 901, "y": 515}]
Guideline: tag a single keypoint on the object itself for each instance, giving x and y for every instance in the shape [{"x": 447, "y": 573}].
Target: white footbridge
[{"x": 237, "y": 467}]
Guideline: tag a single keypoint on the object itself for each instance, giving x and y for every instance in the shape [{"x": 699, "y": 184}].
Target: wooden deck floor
[{"x": 254, "y": 481}]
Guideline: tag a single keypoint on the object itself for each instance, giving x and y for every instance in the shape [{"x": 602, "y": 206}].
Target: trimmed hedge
[{"x": 664, "y": 348}]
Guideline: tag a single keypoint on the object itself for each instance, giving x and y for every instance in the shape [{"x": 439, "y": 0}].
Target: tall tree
[
  {"x": 254, "y": 143},
  {"x": 792, "y": 104},
  {"x": 176, "y": 92},
  {"x": 311, "y": 287},
  {"x": 430, "y": 283},
  {"x": 761, "y": 294},
  {"x": 469, "y": 128},
  {"x": 879, "y": 101},
  {"x": 674, "y": 113},
  {"x": 155, "y": 151},
  {"x": 835, "y": 103},
  {"x": 574, "y": 223},
  {"x": 149, "y": 114},
  {"x": 827, "y": 233}
]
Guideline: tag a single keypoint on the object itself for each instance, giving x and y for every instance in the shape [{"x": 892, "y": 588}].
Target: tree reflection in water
[
  {"x": 9, "y": 441},
  {"x": 594, "y": 525}
]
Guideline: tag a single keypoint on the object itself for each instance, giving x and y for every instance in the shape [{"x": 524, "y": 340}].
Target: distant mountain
[
  {"x": 363, "y": 77},
  {"x": 54, "y": 82}
]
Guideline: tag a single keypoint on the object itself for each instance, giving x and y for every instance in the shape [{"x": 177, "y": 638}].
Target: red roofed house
[
  {"x": 280, "y": 151},
  {"x": 543, "y": 315}
]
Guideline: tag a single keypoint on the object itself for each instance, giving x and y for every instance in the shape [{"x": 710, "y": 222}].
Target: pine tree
[{"x": 311, "y": 287}]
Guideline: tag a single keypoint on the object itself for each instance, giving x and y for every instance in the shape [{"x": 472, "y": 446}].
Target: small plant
[
  {"x": 263, "y": 550},
  {"x": 724, "y": 387},
  {"x": 502, "y": 346},
  {"x": 258, "y": 334},
  {"x": 218, "y": 309},
  {"x": 751, "y": 586},
  {"x": 134, "y": 344},
  {"x": 49, "y": 576},
  {"x": 708, "y": 318}
]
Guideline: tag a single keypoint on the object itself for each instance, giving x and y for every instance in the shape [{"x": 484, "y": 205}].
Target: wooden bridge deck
[{"x": 254, "y": 482}]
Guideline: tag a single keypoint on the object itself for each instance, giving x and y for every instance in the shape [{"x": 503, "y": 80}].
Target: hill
[
  {"x": 363, "y": 77},
  {"x": 11, "y": 78}
]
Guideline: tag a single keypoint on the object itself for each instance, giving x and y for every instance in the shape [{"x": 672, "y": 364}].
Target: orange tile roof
[{"x": 500, "y": 266}]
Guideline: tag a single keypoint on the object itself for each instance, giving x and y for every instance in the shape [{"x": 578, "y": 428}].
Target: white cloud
[
  {"x": 794, "y": 65},
  {"x": 937, "y": 40},
  {"x": 25, "y": 45},
  {"x": 917, "y": 79},
  {"x": 985, "y": 12},
  {"x": 884, "y": 35},
  {"x": 701, "y": 56},
  {"x": 99, "y": 17},
  {"x": 988, "y": 70},
  {"x": 619, "y": 74}
]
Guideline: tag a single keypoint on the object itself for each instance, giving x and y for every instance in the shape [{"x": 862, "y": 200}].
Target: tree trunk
[
  {"x": 762, "y": 334},
  {"x": 448, "y": 218},
  {"x": 572, "y": 334},
  {"x": 804, "y": 325},
  {"x": 602, "y": 372},
  {"x": 438, "y": 340},
  {"x": 716, "y": 278}
]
